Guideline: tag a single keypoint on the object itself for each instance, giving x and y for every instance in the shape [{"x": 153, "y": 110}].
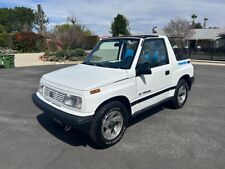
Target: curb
[{"x": 208, "y": 62}]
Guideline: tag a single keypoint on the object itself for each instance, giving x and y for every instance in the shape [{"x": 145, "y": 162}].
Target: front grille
[{"x": 53, "y": 94}]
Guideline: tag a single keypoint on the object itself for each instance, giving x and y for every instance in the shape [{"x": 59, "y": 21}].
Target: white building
[{"x": 203, "y": 38}]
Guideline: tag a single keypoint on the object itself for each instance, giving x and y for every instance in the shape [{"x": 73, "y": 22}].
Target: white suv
[{"x": 121, "y": 77}]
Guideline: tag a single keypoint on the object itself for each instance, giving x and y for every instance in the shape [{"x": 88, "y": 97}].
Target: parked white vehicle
[{"x": 121, "y": 77}]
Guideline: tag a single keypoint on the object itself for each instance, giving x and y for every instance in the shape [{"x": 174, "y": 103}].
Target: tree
[
  {"x": 2, "y": 29},
  {"x": 120, "y": 26},
  {"x": 197, "y": 25},
  {"x": 40, "y": 21},
  {"x": 87, "y": 32},
  {"x": 70, "y": 36},
  {"x": 179, "y": 27},
  {"x": 214, "y": 27},
  {"x": 17, "y": 19},
  {"x": 72, "y": 19}
]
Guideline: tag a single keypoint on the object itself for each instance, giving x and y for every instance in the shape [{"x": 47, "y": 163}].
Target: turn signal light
[{"x": 95, "y": 91}]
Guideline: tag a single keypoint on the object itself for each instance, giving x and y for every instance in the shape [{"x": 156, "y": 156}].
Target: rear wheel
[
  {"x": 109, "y": 124},
  {"x": 180, "y": 95}
]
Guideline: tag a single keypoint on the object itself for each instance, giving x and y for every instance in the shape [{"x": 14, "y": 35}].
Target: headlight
[
  {"x": 73, "y": 101},
  {"x": 40, "y": 88}
]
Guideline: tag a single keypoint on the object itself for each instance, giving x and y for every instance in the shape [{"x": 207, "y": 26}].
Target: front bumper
[{"x": 80, "y": 123}]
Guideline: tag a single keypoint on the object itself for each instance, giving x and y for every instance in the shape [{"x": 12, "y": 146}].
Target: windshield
[{"x": 113, "y": 53}]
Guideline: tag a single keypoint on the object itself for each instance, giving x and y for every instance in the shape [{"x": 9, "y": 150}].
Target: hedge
[{"x": 29, "y": 42}]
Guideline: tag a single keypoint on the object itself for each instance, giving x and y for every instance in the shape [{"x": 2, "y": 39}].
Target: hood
[{"x": 85, "y": 77}]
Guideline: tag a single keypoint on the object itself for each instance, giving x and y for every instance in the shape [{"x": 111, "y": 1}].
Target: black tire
[
  {"x": 175, "y": 103},
  {"x": 96, "y": 132}
]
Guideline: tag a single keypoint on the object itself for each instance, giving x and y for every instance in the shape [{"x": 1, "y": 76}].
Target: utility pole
[{"x": 205, "y": 20}]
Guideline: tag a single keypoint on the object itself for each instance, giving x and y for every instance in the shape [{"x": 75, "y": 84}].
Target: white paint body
[{"x": 79, "y": 80}]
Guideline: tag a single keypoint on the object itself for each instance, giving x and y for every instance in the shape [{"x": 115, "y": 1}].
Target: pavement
[
  {"x": 33, "y": 59},
  {"x": 189, "y": 138}
]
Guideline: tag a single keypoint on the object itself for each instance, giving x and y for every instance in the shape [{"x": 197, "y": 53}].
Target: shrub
[
  {"x": 53, "y": 59},
  {"x": 66, "y": 54},
  {"x": 71, "y": 55},
  {"x": 29, "y": 42},
  {"x": 60, "y": 54},
  {"x": 76, "y": 59},
  {"x": 75, "y": 53},
  {"x": 49, "y": 53}
]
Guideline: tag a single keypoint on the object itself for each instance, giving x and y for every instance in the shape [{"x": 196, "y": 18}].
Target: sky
[{"x": 143, "y": 15}]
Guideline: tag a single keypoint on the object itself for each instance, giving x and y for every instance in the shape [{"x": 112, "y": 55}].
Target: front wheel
[
  {"x": 180, "y": 95},
  {"x": 109, "y": 124}
]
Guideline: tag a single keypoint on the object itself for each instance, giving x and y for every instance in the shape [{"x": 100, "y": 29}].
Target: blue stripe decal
[{"x": 183, "y": 62}]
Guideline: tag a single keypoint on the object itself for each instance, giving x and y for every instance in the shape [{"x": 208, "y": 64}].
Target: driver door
[{"x": 152, "y": 88}]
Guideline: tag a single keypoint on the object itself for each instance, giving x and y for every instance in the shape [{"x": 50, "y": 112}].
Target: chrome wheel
[
  {"x": 182, "y": 94},
  {"x": 112, "y": 125}
]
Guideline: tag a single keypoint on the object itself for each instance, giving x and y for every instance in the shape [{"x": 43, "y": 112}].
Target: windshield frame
[{"x": 90, "y": 55}]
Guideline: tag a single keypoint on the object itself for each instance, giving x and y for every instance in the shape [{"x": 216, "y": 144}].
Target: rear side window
[
  {"x": 180, "y": 53},
  {"x": 180, "y": 48},
  {"x": 154, "y": 53}
]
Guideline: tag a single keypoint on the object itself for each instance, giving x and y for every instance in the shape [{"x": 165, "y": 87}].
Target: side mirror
[
  {"x": 117, "y": 44},
  {"x": 143, "y": 69}
]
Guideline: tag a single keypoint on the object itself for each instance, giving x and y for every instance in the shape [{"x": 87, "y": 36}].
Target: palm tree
[
  {"x": 205, "y": 20},
  {"x": 193, "y": 17}
]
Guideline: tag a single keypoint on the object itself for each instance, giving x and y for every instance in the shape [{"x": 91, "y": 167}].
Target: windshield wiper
[
  {"x": 100, "y": 64},
  {"x": 94, "y": 64}
]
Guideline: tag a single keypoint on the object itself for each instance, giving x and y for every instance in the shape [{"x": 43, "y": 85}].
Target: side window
[
  {"x": 180, "y": 53},
  {"x": 154, "y": 53},
  {"x": 129, "y": 49},
  {"x": 180, "y": 48}
]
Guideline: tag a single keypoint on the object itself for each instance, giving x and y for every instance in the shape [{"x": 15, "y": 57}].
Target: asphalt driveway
[{"x": 192, "y": 137}]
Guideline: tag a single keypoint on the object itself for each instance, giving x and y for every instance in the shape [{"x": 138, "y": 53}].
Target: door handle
[{"x": 167, "y": 72}]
